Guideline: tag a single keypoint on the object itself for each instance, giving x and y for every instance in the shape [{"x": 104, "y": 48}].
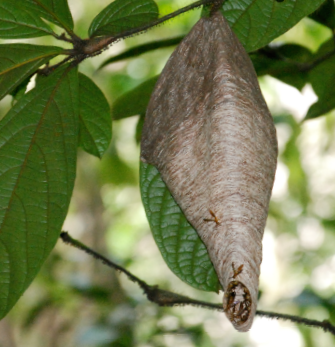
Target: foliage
[{"x": 41, "y": 133}]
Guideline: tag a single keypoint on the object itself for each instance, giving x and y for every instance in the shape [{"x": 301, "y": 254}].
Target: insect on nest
[
  {"x": 237, "y": 299},
  {"x": 238, "y": 302}
]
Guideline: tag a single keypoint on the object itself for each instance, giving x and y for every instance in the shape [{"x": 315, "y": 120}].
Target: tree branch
[
  {"x": 216, "y": 4},
  {"x": 85, "y": 48},
  {"x": 163, "y": 297}
]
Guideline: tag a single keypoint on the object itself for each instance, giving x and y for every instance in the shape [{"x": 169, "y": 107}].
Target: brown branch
[
  {"x": 47, "y": 70},
  {"x": 163, "y": 297}
]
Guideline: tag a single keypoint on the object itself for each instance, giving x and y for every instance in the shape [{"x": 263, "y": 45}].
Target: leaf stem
[
  {"x": 309, "y": 66},
  {"x": 166, "y": 298},
  {"x": 49, "y": 69},
  {"x": 85, "y": 48},
  {"x": 94, "y": 46}
]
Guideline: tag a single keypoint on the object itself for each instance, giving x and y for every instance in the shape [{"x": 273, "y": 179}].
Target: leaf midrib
[
  {"x": 32, "y": 142},
  {"x": 26, "y": 62}
]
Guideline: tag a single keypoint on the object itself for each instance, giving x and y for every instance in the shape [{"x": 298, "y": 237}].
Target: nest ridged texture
[{"x": 210, "y": 134}]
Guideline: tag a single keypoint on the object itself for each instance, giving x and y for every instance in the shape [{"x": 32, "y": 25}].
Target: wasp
[
  {"x": 238, "y": 304},
  {"x": 215, "y": 218}
]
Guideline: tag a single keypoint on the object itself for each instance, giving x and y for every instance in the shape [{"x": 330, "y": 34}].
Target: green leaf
[
  {"x": 179, "y": 243},
  {"x": 141, "y": 49},
  {"x": 258, "y": 22},
  {"x": 95, "y": 123},
  {"x": 38, "y": 147},
  {"x": 16, "y": 22},
  {"x": 122, "y": 15},
  {"x": 55, "y": 11},
  {"x": 325, "y": 14},
  {"x": 134, "y": 102},
  {"x": 322, "y": 78},
  {"x": 284, "y": 63},
  {"x": 19, "y": 61}
]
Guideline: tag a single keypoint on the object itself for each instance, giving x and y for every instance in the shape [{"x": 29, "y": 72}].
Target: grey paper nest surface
[{"x": 209, "y": 133}]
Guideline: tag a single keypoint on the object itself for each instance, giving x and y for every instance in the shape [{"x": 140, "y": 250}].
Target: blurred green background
[{"x": 76, "y": 301}]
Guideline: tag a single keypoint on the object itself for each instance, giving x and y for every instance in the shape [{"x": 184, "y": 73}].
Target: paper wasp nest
[{"x": 209, "y": 133}]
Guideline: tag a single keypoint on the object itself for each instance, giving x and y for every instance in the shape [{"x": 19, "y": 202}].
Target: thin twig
[
  {"x": 166, "y": 298},
  {"x": 293, "y": 65},
  {"x": 94, "y": 46},
  {"x": 163, "y": 19},
  {"x": 63, "y": 37},
  {"x": 325, "y": 325},
  {"x": 46, "y": 71},
  {"x": 91, "y": 47}
]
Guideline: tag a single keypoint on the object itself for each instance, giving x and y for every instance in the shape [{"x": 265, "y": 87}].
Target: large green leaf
[
  {"x": 122, "y": 15},
  {"x": 322, "y": 78},
  {"x": 134, "y": 102},
  {"x": 245, "y": 19},
  {"x": 179, "y": 243},
  {"x": 17, "y": 22},
  {"x": 38, "y": 147},
  {"x": 95, "y": 124},
  {"x": 55, "y": 11},
  {"x": 258, "y": 22},
  {"x": 18, "y": 61}
]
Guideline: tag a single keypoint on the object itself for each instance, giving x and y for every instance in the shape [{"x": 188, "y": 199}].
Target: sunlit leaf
[
  {"x": 134, "y": 102},
  {"x": 122, "y": 15},
  {"x": 38, "y": 146},
  {"x": 179, "y": 243},
  {"x": 258, "y": 22},
  {"x": 55, "y": 11},
  {"x": 19, "y": 61},
  {"x": 95, "y": 123},
  {"x": 16, "y": 22}
]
